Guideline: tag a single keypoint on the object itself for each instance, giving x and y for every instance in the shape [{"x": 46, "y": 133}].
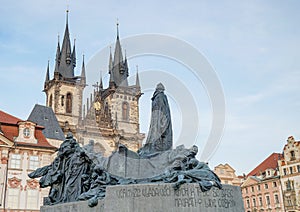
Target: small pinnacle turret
[
  {"x": 83, "y": 75},
  {"x": 137, "y": 80},
  {"x": 74, "y": 55},
  {"x": 101, "y": 83},
  {"x": 47, "y": 73}
]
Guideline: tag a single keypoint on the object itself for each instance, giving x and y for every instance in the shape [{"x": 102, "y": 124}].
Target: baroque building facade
[
  {"x": 227, "y": 175},
  {"x": 23, "y": 148},
  {"x": 111, "y": 115},
  {"x": 262, "y": 189},
  {"x": 289, "y": 168}
]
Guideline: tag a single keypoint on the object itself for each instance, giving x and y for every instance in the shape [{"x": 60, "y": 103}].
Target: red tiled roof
[
  {"x": 269, "y": 163},
  {"x": 10, "y": 129},
  {"x": 8, "y": 119}
]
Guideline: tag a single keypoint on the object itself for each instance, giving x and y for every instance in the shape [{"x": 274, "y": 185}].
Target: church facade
[{"x": 110, "y": 116}]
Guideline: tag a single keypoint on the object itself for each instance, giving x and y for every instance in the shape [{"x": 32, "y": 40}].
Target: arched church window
[
  {"x": 69, "y": 103},
  {"x": 50, "y": 101},
  {"x": 125, "y": 111}
]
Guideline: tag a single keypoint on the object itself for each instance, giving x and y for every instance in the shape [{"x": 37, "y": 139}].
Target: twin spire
[
  {"x": 118, "y": 67},
  {"x": 65, "y": 61}
]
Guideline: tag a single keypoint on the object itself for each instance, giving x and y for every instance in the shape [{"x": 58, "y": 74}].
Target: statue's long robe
[{"x": 160, "y": 136}]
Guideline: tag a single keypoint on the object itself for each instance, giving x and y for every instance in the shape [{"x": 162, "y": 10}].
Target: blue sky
[{"x": 252, "y": 45}]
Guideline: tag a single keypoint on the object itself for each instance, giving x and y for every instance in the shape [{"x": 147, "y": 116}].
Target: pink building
[{"x": 262, "y": 190}]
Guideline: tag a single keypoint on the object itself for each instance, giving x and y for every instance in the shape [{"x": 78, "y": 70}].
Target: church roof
[{"x": 45, "y": 116}]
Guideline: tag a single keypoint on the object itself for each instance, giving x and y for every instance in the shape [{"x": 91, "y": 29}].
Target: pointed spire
[
  {"x": 47, "y": 73},
  {"x": 57, "y": 58},
  {"x": 118, "y": 57},
  {"x": 117, "y": 28},
  {"x": 101, "y": 83},
  {"x": 66, "y": 68},
  {"x": 110, "y": 65},
  {"x": 126, "y": 66},
  {"x": 124, "y": 72},
  {"x": 83, "y": 76},
  {"x": 137, "y": 81},
  {"x": 74, "y": 54}
]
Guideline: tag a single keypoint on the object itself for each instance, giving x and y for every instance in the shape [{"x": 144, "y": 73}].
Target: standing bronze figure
[{"x": 160, "y": 135}]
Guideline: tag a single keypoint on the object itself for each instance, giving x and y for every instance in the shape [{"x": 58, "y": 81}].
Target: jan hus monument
[
  {"x": 130, "y": 176},
  {"x": 155, "y": 178}
]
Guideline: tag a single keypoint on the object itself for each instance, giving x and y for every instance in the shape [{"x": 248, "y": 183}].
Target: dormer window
[{"x": 26, "y": 132}]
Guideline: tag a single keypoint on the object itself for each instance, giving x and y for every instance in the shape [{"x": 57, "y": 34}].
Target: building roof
[
  {"x": 8, "y": 119},
  {"x": 10, "y": 129},
  {"x": 270, "y": 162},
  {"x": 45, "y": 116}
]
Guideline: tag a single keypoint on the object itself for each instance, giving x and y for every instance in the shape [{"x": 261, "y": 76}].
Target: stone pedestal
[{"x": 160, "y": 198}]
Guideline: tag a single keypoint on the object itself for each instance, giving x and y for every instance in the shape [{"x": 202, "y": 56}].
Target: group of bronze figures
[{"x": 75, "y": 175}]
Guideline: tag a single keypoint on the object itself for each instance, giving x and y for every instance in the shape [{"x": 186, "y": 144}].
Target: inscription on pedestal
[
  {"x": 184, "y": 196},
  {"x": 163, "y": 197}
]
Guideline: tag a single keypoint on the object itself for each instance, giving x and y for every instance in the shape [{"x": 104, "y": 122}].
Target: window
[
  {"x": 252, "y": 189},
  {"x": 260, "y": 201},
  {"x": 258, "y": 187},
  {"x": 288, "y": 185},
  {"x": 32, "y": 199},
  {"x": 276, "y": 198},
  {"x": 268, "y": 200},
  {"x": 298, "y": 168},
  {"x": 246, "y": 189},
  {"x": 34, "y": 162},
  {"x": 266, "y": 186},
  {"x": 291, "y": 170},
  {"x": 50, "y": 101},
  {"x": 69, "y": 103},
  {"x": 293, "y": 155},
  {"x": 274, "y": 184},
  {"x": 125, "y": 111},
  {"x": 13, "y": 198},
  {"x": 254, "y": 202},
  {"x": 62, "y": 100},
  {"x": 26, "y": 132},
  {"x": 15, "y": 162},
  {"x": 248, "y": 203},
  {"x": 289, "y": 201},
  {"x": 284, "y": 171}
]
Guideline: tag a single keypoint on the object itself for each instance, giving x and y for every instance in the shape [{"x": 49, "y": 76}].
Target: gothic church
[{"x": 110, "y": 116}]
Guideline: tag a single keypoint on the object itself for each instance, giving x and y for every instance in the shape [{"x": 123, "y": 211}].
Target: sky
[{"x": 251, "y": 46}]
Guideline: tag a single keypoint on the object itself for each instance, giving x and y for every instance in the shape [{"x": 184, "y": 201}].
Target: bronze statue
[
  {"x": 160, "y": 135},
  {"x": 78, "y": 174}
]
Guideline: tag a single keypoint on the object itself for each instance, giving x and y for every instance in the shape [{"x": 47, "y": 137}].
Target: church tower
[
  {"x": 111, "y": 115},
  {"x": 64, "y": 91}
]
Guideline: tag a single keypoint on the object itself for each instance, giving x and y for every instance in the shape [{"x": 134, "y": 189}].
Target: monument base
[{"x": 160, "y": 198}]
